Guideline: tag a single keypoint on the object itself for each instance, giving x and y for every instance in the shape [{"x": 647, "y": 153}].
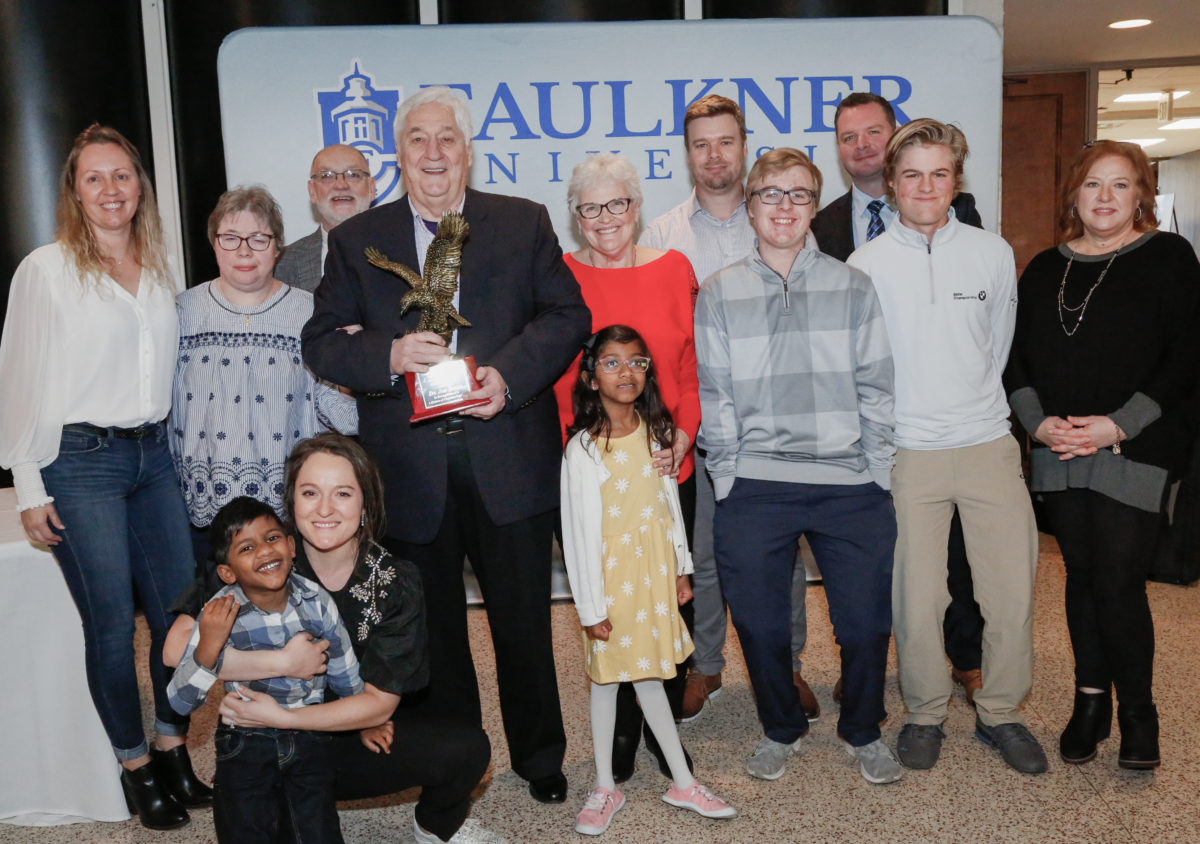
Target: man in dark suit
[
  {"x": 864, "y": 123},
  {"x": 339, "y": 186},
  {"x": 482, "y": 484}
]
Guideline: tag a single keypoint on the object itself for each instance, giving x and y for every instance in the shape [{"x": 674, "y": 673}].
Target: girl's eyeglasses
[{"x": 611, "y": 366}]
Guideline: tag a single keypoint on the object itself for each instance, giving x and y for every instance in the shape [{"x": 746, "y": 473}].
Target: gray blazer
[{"x": 300, "y": 265}]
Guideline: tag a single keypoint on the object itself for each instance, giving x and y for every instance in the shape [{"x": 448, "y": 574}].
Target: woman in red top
[
  {"x": 648, "y": 289},
  {"x": 654, "y": 292}
]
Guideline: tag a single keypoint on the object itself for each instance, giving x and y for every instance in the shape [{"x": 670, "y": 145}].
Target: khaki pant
[{"x": 986, "y": 483}]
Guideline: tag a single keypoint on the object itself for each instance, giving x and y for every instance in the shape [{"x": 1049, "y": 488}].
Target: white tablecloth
[{"x": 56, "y": 765}]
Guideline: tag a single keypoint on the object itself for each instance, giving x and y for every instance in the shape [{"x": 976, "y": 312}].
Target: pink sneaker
[
  {"x": 700, "y": 800},
  {"x": 598, "y": 810}
]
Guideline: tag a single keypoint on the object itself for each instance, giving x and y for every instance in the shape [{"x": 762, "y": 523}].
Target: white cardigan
[{"x": 582, "y": 517}]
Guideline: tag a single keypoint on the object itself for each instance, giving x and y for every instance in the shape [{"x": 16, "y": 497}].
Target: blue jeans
[
  {"x": 852, "y": 531},
  {"x": 274, "y": 785},
  {"x": 126, "y": 530}
]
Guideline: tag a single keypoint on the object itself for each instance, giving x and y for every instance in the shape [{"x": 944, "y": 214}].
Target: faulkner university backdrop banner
[{"x": 543, "y": 96}]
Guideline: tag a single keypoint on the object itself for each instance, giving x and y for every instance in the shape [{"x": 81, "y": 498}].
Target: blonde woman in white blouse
[{"x": 86, "y": 362}]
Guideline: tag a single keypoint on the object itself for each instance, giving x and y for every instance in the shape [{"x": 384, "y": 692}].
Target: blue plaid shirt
[{"x": 309, "y": 609}]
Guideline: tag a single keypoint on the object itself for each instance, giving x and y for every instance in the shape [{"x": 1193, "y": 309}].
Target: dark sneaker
[
  {"x": 1016, "y": 744},
  {"x": 919, "y": 745}
]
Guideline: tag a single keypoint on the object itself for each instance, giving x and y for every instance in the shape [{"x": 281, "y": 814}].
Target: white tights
[{"x": 657, "y": 712}]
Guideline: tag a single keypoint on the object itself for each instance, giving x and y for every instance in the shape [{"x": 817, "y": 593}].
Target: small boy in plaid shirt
[{"x": 263, "y": 773}]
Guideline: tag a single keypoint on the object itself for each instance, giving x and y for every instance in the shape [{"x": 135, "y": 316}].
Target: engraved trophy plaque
[{"x": 441, "y": 390}]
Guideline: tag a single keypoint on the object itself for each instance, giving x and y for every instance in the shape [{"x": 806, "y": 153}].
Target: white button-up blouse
[{"x": 75, "y": 351}]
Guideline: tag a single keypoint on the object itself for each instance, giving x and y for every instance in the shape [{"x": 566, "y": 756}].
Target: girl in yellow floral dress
[{"x": 627, "y": 560}]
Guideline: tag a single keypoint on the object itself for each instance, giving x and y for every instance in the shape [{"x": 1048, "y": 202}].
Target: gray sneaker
[
  {"x": 1016, "y": 744},
  {"x": 876, "y": 762},
  {"x": 769, "y": 759},
  {"x": 919, "y": 745}
]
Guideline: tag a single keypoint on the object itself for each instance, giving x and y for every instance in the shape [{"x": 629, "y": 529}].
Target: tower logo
[{"x": 360, "y": 115}]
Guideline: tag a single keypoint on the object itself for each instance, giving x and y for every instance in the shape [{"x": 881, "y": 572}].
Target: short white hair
[
  {"x": 604, "y": 167},
  {"x": 435, "y": 94}
]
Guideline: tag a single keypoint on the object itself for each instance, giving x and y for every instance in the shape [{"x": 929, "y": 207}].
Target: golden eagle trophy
[{"x": 439, "y": 391}]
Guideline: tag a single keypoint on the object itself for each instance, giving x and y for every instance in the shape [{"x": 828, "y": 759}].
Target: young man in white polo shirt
[{"x": 949, "y": 296}]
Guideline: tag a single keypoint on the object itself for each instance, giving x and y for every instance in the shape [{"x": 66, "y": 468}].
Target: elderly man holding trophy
[{"x": 468, "y": 474}]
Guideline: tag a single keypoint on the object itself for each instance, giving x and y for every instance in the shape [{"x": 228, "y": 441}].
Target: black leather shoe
[
  {"x": 654, "y": 747},
  {"x": 1139, "y": 737},
  {"x": 624, "y": 754},
  {"x": 149, "y": 799},
  {"x": 174, "y": 768},
  {"x": 551, "y": 789},
  {"x": 1090, "y": 724}
]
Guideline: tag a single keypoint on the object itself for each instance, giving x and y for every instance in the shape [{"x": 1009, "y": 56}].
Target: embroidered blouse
[
  {"x": 383, "y": 608},
  {"x": 243, "y": 397}
]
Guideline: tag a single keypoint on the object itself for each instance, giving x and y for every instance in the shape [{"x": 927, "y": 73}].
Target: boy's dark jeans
[{"x": 269, "y": 780}]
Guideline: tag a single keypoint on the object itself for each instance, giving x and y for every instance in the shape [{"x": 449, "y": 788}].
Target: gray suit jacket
[{"x": 300, "y": 265}]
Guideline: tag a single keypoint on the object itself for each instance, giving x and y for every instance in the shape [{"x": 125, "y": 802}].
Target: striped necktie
[{"x": 875, "y": 225}]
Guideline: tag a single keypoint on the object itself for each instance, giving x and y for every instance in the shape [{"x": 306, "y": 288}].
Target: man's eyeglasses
[
  {"x": 774, "y": 196},
  {"x": 611, "y": 366},
  {"x": 327, "y": 177},
  {"x": 258, "y": 242},
  {"x": 592, "y": 210}
]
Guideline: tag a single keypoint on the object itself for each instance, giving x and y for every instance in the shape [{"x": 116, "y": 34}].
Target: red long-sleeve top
[{"x": 658, "y": 300}]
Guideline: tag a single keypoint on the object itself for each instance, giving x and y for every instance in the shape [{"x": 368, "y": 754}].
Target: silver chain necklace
[{"x": 1081, "y": 308}]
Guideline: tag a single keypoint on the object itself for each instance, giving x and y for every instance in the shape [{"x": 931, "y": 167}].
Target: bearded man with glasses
[{"x": 339, "y": 186}]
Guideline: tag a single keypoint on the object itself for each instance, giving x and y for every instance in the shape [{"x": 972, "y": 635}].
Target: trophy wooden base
[{"x": 440, "y": 391}]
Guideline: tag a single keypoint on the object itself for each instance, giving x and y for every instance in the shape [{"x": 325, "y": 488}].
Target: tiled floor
[{"x": 970, "y": 796}]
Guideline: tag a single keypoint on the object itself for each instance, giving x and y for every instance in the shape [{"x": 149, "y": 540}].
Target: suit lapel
[
  {"x": 476, "y": 258},
  {"x": 405, "y": 240},
  {"x": 310, "y": 259}
]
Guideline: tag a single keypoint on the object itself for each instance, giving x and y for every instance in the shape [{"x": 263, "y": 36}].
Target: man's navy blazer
[
  {"x": 834, "y": 227},
  {"x": 528, "y": 320}
]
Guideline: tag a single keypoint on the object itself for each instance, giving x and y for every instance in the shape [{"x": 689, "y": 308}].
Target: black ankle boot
[
  {"x": 1090, "y": 724},
  {"x": 624, "y": 754},
  {"x": 174, "y": 768},
  {"x": 656, "y": 749},
  {"x": 1139, "y": 737},
  {"x": 149, "y": 799}
]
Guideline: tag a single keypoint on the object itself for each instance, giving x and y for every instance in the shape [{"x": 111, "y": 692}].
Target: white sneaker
[
  {"x": 471, "y": 832},
  {"x": 769, "y": 759},
  {"x": 876, "y": 762}
]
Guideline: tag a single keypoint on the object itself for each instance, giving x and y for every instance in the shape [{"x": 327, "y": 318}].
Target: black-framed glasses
[
  {"x": 352, "y": 176},
  {"x": 592, "y": 210},
  {"x": 774, "y": 196},
  {"x": 611, "y": 366},
  {"x": 232, "y": 242}
]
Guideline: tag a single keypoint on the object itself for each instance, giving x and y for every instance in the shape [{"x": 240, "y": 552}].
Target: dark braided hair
[{"x": 586, "y": 404}]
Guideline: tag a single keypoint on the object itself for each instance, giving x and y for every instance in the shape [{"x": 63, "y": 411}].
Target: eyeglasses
[
  {"x": 592, "y": 210},
  {"x": 232, "y": 242},
  {"x": 611, "y": 366},
  {"x": 774, "y": 196},
  {"x": 352, "y": 176}
]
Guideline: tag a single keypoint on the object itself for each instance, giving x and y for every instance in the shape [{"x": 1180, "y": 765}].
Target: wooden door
[{"x": 1045, "y": 123}]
